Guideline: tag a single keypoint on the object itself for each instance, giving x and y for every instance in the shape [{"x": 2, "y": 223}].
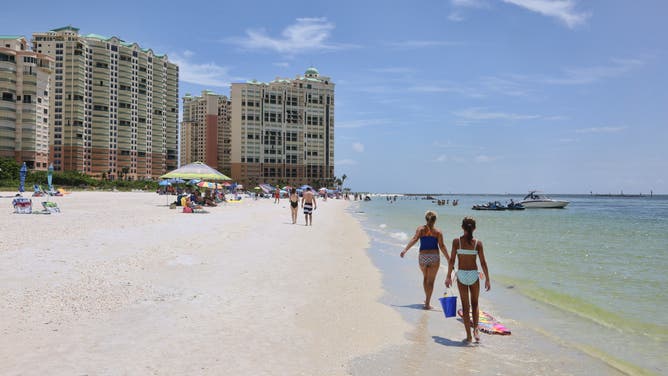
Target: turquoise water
[{"x": 598, "y": 266}]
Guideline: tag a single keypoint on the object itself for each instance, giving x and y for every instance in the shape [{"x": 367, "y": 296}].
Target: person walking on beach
[
  {"x": 277, "y": 196},
  {"x": 309, "y": 205},
  {"x": 431, "y": 240},
  {"x": 294, "y": 203},
  {"x": 465, "y": 249}
]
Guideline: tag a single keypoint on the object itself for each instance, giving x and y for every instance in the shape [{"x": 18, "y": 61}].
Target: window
[{"x": 8, "y": 97}]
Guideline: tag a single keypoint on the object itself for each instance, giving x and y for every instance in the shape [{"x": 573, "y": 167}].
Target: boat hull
[{"x": 544, "y": 204}]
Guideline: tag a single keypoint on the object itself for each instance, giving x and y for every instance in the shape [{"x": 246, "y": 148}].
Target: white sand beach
[{"x": 119, "y": 284}]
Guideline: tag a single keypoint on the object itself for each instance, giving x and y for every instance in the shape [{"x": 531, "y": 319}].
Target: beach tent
[{"x": 196, "y": 170}]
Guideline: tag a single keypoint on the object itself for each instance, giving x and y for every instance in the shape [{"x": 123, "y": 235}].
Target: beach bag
[
  {"x": 187, "y": 209},
  {"x": 449, "y": 304}
]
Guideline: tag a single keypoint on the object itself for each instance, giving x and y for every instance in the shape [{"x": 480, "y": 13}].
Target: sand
[{"x": 120, "y": 284}]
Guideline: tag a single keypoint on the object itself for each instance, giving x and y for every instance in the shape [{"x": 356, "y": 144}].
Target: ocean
[{"x": 593, "y": 274}]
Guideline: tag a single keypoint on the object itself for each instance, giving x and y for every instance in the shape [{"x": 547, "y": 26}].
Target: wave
[{"x": 399, "y": 235}]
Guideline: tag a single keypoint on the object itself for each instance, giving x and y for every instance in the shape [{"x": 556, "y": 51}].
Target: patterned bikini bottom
[
  {"x": 429, "y": 259},
  {"x": 467, "y": 277}
]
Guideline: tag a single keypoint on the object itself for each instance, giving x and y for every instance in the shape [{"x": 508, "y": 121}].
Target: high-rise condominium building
[
  {"x": 283, "y": 130},
  {"x": 115, "y": 105},
  {"x": 205, "y": 130},
  {"x": 25, "y": 112}
]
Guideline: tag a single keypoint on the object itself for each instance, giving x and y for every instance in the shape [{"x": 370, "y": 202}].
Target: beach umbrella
[
  {"x": 176, "y": 181},
  {"x": 164, "y": 183},
  {"x": 206, "y": 184},
  {"x": 49, "y": 177},
  {"x": 257, "y": 188},
  {"x": 22, "y": 177},
  {"x": 239, "y": 186},
  {"x": 196, "y": 170},
  {"x": 193, "y": 181}
]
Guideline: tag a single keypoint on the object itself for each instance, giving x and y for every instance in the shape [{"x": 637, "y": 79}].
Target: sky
[{"x": 451, "y": 96}]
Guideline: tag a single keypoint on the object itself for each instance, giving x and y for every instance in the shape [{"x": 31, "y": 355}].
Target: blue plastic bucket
[{"x": 449, "y": 304}]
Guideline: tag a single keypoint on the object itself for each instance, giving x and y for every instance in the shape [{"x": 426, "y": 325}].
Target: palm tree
[{"x": 343, "y": 179}]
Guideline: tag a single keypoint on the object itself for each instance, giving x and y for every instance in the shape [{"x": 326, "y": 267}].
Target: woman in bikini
[
  {"x": 294, "y": 204},
  {"x": 465, "y": 249},
  {"x": 431, "y": 240}
]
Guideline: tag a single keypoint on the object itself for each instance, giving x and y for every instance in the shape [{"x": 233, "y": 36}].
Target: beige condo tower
[
  {"x": 283, "y": 130},
  {"x": 25, "y": 109},
  {"x": 115, "y": 106}
]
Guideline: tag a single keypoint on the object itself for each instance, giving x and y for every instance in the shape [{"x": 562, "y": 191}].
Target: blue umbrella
[
  {"x": 176, "y": 181},
  {"x": 22, "y": 177},
  {"x": 49, "y": 177},
  {"x": 164, "y": 183}
]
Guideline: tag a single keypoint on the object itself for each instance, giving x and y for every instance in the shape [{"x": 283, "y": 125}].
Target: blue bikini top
[{"x": 428, "y": 242}]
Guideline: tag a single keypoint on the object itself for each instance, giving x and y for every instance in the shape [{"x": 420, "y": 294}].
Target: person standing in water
[
  {"x": 429, "y": 259},
  {"x": 294, "y": 203},
  {"x": 465, "y": 249},
  {"x": 309, "y": 205}
]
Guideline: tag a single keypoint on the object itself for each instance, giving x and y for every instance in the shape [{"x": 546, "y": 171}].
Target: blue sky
[{"x": 472, "y": 96}]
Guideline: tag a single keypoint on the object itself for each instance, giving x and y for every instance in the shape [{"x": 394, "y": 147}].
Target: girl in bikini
[
  {"x": 465, "y": 249},
  {"x": 294, "y": 203},
  {"x": 431, "y": 240}
]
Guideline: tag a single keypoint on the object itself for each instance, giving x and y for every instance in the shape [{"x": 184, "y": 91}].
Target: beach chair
[
  {"x": 22, "y": 205},
  {"x": 51, "y": 207},
  {"x": 38, "y": 192}
]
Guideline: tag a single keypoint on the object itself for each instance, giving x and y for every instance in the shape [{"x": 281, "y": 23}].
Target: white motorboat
[{"x": 536, "y": 200}]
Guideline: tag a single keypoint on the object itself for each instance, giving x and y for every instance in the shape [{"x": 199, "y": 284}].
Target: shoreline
[
  {"x": 119, "y": 283},
  {"x": 435, "y": 339}
]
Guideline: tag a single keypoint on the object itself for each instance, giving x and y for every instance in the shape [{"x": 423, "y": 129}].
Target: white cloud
[
  {"x": 447, "y": 88},
  {"x": 358, "y": 147},
  {"x": 422, "y": 43},
  {"x": 481, "y": 114},
  {"x": 304, "y": 36},
  {"x": 281, "y": 64},
  {"x": 456, "y": 17},
  {"x": 587, "y": 75},
  {"x": 346, "y": 162},
  {"x": 485, "y": 158},
  {"x": 441, "y": 158},
  {"x": 601, "y": 130},
  {"x": 563, "y": 10},
  {"x": 361, "y": 123},
  {"x": 206, "y": 74}
]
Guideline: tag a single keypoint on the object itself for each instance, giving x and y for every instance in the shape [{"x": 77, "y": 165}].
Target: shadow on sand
[
  {"x": 449, "y": 342},
  {"x": 419, "y": 307}
]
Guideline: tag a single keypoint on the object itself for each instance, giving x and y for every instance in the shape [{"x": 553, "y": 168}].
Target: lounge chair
[
  {"x": 51, "y": 207},
  {"x": 38, "y": 192},
  {"x": 22, "y": 205}
]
